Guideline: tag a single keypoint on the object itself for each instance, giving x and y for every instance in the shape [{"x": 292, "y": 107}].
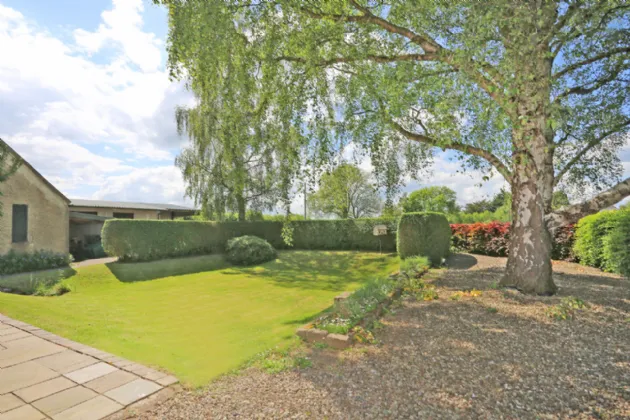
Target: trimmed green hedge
[
  {"x": 346, "y": 234},
  {"x": 425, "y": 234},
  {"x": 145, "y": 240},
  {"x": 602, "y": 240}
]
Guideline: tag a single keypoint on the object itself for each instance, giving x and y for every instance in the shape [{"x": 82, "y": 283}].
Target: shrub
[
  {"x": 493, "y": 239},
  {"x": 414, "y": 267},
  {"x": 349, "y": 312},
  {"x": 482, "y": 238},
  {"x": 600, "y": 240},
  {"x": 616, "y": 250},
  {"x": 15, "y": 262},
  {"x": 38, "y": 282},
  {"x": 566, "y": 308},
  {"x": 249, "y": 250},
  {"x": 426, "y": 234}
]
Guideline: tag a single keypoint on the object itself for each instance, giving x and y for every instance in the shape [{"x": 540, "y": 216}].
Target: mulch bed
[{"x": 494, "y": 356}]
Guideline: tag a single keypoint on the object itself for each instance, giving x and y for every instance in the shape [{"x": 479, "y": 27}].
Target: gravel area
[{"x": 493, "y": 356}]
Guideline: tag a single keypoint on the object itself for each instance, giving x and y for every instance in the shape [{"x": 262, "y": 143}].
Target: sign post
[{"x": 380, "y": 230}]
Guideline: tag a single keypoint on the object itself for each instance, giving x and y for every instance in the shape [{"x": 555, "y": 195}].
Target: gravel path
[{"x": 493, "y": 356}]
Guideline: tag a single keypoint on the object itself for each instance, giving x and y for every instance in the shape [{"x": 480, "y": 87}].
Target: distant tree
[
  {"x": 346, "y": 192},
  {"x": 440, "y": 199},
  {"x": 9, "y": 164},
  {"x": 478, "y": 206}
]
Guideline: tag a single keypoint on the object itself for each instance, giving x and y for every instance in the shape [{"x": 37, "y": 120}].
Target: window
[
  {"x": 20, "y": 223},
  {"x": 89, "y": 212},
  {"x": 123, "y": 215}
]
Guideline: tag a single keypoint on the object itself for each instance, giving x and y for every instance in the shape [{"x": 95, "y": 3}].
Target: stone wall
[{"x": 48, "y": 214}]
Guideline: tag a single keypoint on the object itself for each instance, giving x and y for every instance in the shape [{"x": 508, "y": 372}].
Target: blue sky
[{"x": 85, "y": 98}]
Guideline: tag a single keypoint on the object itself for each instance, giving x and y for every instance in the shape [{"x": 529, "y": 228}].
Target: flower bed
[{"x": 353, "y": 316}]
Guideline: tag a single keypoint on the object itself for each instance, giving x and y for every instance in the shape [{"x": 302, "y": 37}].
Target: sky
[{"x": 86, "y": 99}]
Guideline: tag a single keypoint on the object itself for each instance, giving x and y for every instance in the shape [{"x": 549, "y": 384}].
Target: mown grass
[{"x": 196, "y": 317}]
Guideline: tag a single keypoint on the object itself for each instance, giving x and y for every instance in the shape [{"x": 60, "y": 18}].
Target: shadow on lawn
[
  {"x": 144, "y": 271},
  {"x": 333, "y": 271}
]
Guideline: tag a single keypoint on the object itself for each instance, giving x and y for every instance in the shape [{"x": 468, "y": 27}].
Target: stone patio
[{"x": 44, "y": 376}]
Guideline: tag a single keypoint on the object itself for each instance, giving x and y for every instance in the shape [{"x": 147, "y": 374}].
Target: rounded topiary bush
[
  {"x": 424, "y": 234},
  {"x": 249, "y": 250}
]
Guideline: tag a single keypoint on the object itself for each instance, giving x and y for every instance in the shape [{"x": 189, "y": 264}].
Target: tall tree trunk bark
[
  {"x": 529, "y": 259},
  {"x": 240, "y": 202},
  {"x": 529, "y": 253}
]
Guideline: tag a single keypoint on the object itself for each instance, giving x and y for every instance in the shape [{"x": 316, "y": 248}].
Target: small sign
[{"x": 380, "y": 230}]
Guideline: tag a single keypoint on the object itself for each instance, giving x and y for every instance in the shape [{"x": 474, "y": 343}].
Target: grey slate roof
[{"x": 75, "y": 202}]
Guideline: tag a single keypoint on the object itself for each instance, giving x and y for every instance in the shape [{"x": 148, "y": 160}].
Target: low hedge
[
  {"x": 22, "y": 262},
  {"x": 424, "y": 234},
  {"x": 601, "y": 240},
  {"x": 146, "y": 240}
]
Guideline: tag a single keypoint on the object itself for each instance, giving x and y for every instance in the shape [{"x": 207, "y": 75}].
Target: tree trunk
[
  {"x": 529, "y": 259},
  {"x": 240, "y": 202},
  {"x": 529, "y": 255}
]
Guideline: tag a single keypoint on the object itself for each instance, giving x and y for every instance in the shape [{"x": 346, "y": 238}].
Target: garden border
[{"x": 313, "y": 335}]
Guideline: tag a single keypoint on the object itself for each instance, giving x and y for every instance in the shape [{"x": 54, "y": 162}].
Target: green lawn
[{"x": 196, "y": 317}]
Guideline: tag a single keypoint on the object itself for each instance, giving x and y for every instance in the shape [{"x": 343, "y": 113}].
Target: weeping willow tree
[
  {"x": 535, "y": 91},
  {"x": 241, "y": 155}
]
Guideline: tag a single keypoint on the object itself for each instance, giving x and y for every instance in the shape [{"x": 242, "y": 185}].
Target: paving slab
[
  {"x": 23, "y": 375},
  {"x": 63, "y": 400},
  {"x": 67, "y": 361},
  {"x": 26, "y": 412},
  {"x": 14, "y": 336},
  {"x": 133, "y": 391},
  {"x": 111, "y": 381},
  {"x": 91, "y": 372},
  {"x": 8, "y": 402},
  {"x": 8, "y": 329},
  {"x": 44, "y": 389},
  {"x": 94, "y": 409},
  {"x": 167, "y": 380},
  {"x": 26, "y": 349},
  {"x": 43, "y": 376}
]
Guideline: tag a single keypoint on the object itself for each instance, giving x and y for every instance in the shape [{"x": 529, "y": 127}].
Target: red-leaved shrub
[{"x": 493, "y": 238}]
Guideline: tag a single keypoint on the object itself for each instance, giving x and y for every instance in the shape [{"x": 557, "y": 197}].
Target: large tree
[
  {"x": 535, "y": 90},
  {"x": 10, "y": 162},
  {"x": 439, "y": 199},
  {"x": 346, "y": 192}
]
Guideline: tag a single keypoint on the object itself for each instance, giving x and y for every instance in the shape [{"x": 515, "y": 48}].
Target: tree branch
[
  {"x": 369, "y": 57},
  {"x": 492, "y": 159},
  {"x": 571, "y": 214},
  {"x": 591, "y": 60},
  {"x": 588, "y": 147},
  {"x": 596, "y": 84}
]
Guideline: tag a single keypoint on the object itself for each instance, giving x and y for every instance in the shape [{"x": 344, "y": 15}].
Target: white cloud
[
  {"x": 161, "y": 185},
  {"x": 85, "y": 112},
  {"x": 123, "y": 25}
]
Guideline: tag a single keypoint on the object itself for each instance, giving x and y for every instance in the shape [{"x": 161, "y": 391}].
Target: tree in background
[
  {"x": 346, "y": 192},
  {"x": 438, "y": 199},
  {"x": 9, "y": 164},
  {"x": 536, "y": 91}
]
